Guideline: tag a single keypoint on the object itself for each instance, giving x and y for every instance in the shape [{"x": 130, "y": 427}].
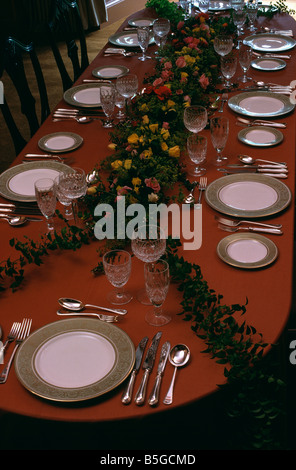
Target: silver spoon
[
  {"x": 16, "y": 220},
  {"x": 249, "y": 160},
  {"x": 190, "y": 198},
  {"x": 106, "y": 318},
  {"x": 81, "y": 120},
  {"x": 179, "y": 356},
  {"x": 260, "y": 84},
  {"x": 77, "y": 306}
]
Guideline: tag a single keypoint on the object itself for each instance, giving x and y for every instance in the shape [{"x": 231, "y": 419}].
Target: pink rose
[
  {"x": 180, "y": 25},
  {"x": 165, "y": 125},
  {"x": 204, "y": 81},
  {"x": 168, "y": 65},
  {"x": 181, "y": 62},
  {"x": 158, "y": 82},
  {"x": 153, "y": 184}
]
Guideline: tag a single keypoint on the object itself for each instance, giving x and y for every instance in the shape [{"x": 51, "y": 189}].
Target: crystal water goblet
[
  {"x": 223, "y": 45},
  {"x": 143, "y": 34},
  {"x": 64, "y": 200},
  {"x": 195, "y": 118},
  {"x": 127, "y": 86},
  {"x": 161, "y": 29},
  {"x": 107, "y": 93},
  {"x": 219, "y": 128},
  {"x": 45, "y": 192},
  {"x": 120, "y": 104},
  {"x": 73, "y": 185},
  {"x": 204, "y": 5},
  {"x": 148, "y": 244},
  {"x": 239, "y": 19},
  {"x": 252, "y": 10},
  {"x": 197, "y": 151},
  {"x": 117, "y": 266},
  {"x": 157, "y": 281},
  {"x": 245, "y": 59},
  {"x": 228, "y": 68}
]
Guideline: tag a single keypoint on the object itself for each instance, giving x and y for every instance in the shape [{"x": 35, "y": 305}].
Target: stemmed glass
[
  {"x": 204, "y": 5},
  {"x": 45, "y": 191},
  {"x": 107, "y": 93},
  {"x": 239, "y": 19},
  {"x": 219, "y": 128},
  {"x": 197, "y": 151},
  {"x": 120, "y": 103},
  {"x": 252, "y": 9},
  {"x": 223, "y": 45},
  {"x": 143, "y": 34},
  {"x": 127, "y": 86},
  {"x": 195, "y": 118},
  {"x": 245, "y": 59},
  {"x": 117, "y": 266},
  {"x": 73, "y": 186},
  {"x": 228, "y": 68},
  {"x": 64, "y": 200},
  {"x": 161, "y": 29},
  {"x": 157, "y": 281},
  {"x": 148, "y": 244}
]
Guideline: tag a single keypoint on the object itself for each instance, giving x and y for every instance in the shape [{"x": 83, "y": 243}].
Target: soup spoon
[
  {"x": 263, "y": 84},
  {"x": 17, "y": 220},
  {"x": 249, "y": 160},
  {"x": 179, "y": 356},
  {"x": 77, "y": 306},
  {"x": 81, "y": 120}
]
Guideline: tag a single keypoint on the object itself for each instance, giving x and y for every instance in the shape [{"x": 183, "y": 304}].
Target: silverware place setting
[
  {"x": 260, "y": 122},
  {"x": 31, "y": 157},
  {"x": 114, "y": 51},
  {"x": 249, "y": 228},
  {"x": 20, "y": 208},
  {"x": 224, "y": 99},
  {"x": 266, "y": 172},
  {"x": 248, "y": 160},
  {"x": 236, "y": 223},
  {"x": 274, "y": 56},
  {"x": 76, "y": 307}
]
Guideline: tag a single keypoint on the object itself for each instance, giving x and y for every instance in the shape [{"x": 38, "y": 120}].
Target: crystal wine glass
[
  {"x": 161, "y": 29},
  {"x": 107, "y": 93},
  {"x": 219, "y": 128},
  {"x": 64, "y": 200},
  {"x": 45, "y": 191},
  {"x": 117, "y": 266},
  {"x": 148, "y": 244},
  {"x": 157, "y": 281},
  {"x": 197, "y": 151},
  {"x": 245, "y": 59},
  {"x": 204, "y": 5},
  {"x": 73, "y": 185},
  {"x": 228, "y": 68},
  {"x": 252, "y": 10},
  {"x": 239, "y": 19},
  {"x": 119, "y": 103},
  {"x": 223, "y": 45},
  {"x": 143, "y": 34},
  {"x": 195, "y": 118},
  {"x": 127, "y": 86}
]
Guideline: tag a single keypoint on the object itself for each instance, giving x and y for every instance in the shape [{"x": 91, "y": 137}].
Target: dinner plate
[
  {"x": 260, "y": 136},
  {"x": 60, "y": 142},
  {"x": 17, "y": 182},
  {"x": 84, "y": 96},
  {"x": 219, "y": 5},
  {"x": 110, "y": 71},
  {"x": 270, "y": 42},
  {"x": 261, "y": 104},
  {"x": 268, "y": 64},
  {"x": 248, "y": 195},
  {"x": 74, "y": 359},
  {"x": 127, "y": 39},
  {"x": 248, "y": 251},
  {"x": 141, "y": 22}
]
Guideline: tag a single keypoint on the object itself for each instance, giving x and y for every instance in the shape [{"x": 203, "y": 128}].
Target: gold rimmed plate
[
  {"x": 110, "y": 71},
  {"x": 261, "y": 104},
  {"x": 127, "y": 39},
  {"x": 248, "y": 195},
  {"x": 84, "y": 96},
  {"x": 270, "y": 42},
  {"x": 141, "y": 22},
  {"x": 17, "y": 182},
  {"x": 60, "y": 142},
  {"x": 260, "y": 136},
  {"x": 74, "y": 360},
  {"x": 247, "y": 251},
  {"x": 268, "y": 64}
]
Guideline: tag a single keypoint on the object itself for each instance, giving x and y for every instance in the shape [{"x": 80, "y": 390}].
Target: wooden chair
[
  {"x": 11, "y": 54},
  {"x": 65, "y": 25}
]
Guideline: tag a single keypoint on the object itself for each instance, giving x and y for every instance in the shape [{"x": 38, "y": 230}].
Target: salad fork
[
  {"x": 235, "y": 223},
  {"x": 275, "y": 231},
  {"x": 22, "y": 334},
  {"x": 224, "y": 99},
  {"x": 11, "y": 336},
  {"x": 202, "y": 187}
]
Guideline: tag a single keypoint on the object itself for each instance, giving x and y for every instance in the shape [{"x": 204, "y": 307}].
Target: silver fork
[
  {"x": 224, "y": 99},
  {"x": 22, "y": 334},
  {"x": 11, "y": 336},
  {"x": 202, "y": 187}
]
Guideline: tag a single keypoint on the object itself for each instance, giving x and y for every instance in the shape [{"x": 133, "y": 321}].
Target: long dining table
[{"x": 69, "y": 274}]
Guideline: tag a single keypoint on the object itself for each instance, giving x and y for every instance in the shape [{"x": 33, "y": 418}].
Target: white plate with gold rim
[
  {"x": 260, "y": 136},
  {"x": 261, "y": 104},
  {"x": 270, "y": 42},
  {"x": 74, "y": 359},
  {"x": 248, "y": 251}
]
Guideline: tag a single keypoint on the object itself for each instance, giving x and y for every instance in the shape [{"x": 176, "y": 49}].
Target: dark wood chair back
[{"x": 65, "y": 25}]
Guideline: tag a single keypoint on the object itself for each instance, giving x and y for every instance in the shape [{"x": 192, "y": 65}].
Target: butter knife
[
  {"x": 153, "y": 399},
  {"x": 232, "y": 171},
  {"x": 259, "y": 168},
  {"x": 147, "y": 366},
  {"x": 127, "y": 394}
]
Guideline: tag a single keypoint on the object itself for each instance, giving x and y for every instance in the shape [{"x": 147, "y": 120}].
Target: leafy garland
[{"x": 144, "y": 167}]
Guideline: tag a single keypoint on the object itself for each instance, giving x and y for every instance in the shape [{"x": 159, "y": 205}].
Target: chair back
[
  {"x": 65, "y": 26},
  {"x": 12, "y": 63}
]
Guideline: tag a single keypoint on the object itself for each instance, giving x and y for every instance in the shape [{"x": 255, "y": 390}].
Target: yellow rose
[
  {"x": 165, "y": 134},
  {"x": 136, "y": 181},
  {"x": 127, "y": 164},
  {"x": 145, "y": 119},
  {"x": 170, "y": 103},
  {"x": 91, "y": 190},
  {"x": 184, "y": 75},
  {"x": 164, "y": 146},
  {"x": 153, "y": 128},
  {"x": 116, "y": 164},
  {"x": 144, "y": 108},
  {"x": 112, "y": 146},
  {"x": 133, "y": 139},
  {"x": 146, "y": 153},
  {"x": 174, "y": 151}
]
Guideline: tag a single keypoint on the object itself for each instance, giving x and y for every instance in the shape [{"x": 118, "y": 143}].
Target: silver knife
[
  {"x": 147, "y": 366},
  {"x": 232, "y": 171},
  {"x": 127, "y": 394},
  {"x": 153, "y": 399},
  {"x": 259, "y": 169}
]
